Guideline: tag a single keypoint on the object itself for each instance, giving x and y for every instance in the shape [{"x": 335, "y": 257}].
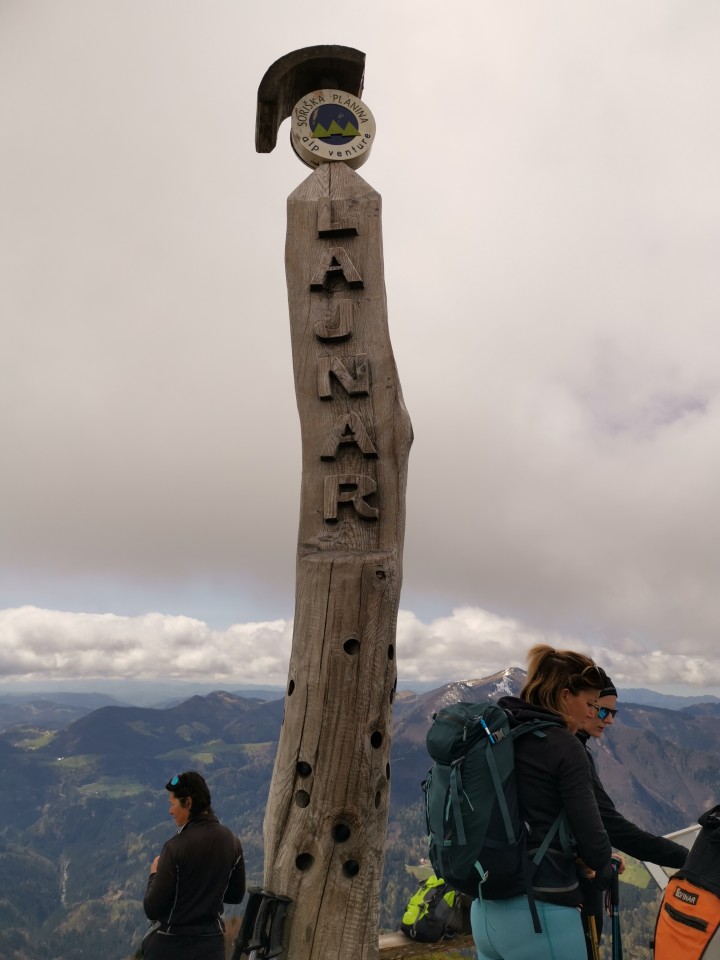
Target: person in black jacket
[
  {"x": 198, "y": 870},
  {"x": 552, "y": 776},
  {"x": 624, "y": 835}
]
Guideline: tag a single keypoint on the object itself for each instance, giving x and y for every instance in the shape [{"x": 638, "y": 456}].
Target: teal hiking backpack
[
  {"x": 434, "y": 912},
  {"x": 475, "y": 832}
]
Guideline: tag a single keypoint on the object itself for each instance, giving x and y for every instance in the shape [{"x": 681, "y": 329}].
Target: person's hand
[
  {"x": 620, "y": 861},
  {"x": 154, "y": 866}
]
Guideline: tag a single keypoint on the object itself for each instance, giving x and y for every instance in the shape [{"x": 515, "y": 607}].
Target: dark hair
[
  {"x": 552, "y": 671},
  {"x": 191, "y": 784}
]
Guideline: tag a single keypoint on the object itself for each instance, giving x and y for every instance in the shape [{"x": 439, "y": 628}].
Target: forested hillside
[{"x": 86, "y": 812}]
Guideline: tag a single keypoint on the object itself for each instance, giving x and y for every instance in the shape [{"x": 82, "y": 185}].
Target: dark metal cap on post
[{"x": 298, "y": 73}]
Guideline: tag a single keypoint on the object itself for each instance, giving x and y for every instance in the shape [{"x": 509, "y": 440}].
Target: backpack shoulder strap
[
  {"x": 500, "y": 795},
  {"x": 534, "y": 726},
  {"x": 558, "y": 826}
]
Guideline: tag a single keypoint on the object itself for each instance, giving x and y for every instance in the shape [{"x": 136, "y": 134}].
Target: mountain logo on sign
[{"x": 333, "y": 124}]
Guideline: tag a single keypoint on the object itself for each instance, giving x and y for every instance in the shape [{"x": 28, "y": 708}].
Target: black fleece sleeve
[
  {"x": 161, "y": 888},
  {"x": 236, "y": 885},
  {"x": 631, "y": 839},
  {"x": 578, "y": 798}
]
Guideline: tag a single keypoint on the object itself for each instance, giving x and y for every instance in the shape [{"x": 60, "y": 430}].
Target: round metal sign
[{"x": 328, "y": 126}]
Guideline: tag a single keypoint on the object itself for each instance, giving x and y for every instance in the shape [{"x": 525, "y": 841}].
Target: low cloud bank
[{"x": 51, "y": 645}]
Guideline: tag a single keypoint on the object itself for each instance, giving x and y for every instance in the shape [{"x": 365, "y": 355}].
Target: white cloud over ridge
[
  {"x": 53, "y": 645},
  {"x": 40, "y": 646}
]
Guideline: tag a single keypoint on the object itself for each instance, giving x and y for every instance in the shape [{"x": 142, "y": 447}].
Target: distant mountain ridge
[
  {"x": 85, "y": 808},
  {"x": 137, "y": 731},
  {"x": 159, "y": 695},
  {"x": 57, "y": 709},
  {"x": 51, "y": 713},
  {"x": 669, "y": 701}
]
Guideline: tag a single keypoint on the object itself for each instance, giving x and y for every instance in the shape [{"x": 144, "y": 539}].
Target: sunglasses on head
[
  {"x": 175, "y": 781},
  {"x": 605, "y": 712},
  {"x": 591, "y": 676}
]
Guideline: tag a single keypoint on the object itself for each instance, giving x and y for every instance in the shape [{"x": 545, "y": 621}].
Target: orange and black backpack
[{"x": 688, "y": 924}]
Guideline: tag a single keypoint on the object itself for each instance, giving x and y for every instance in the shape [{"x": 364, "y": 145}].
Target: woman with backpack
[{"x": 551, "y": 771}]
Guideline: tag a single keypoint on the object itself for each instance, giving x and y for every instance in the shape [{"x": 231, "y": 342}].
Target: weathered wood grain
[{"x": 327, "y": 811}]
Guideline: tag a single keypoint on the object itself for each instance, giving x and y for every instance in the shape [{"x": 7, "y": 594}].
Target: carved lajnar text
[{"x": 349, "y": 372}]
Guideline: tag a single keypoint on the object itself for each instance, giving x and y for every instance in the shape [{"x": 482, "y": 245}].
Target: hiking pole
[
  {"x": 617, "y": 951},
  {"x": 592, "y": 936}
]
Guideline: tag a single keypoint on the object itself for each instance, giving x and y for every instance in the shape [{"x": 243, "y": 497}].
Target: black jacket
[
  {"x": 200, "y": 868},
  {"x": 626, "y": 836},
  {"x": 553, "y": 774}
]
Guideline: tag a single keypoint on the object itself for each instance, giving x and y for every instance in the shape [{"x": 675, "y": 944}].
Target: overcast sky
[{"x": 549, "y": 173}]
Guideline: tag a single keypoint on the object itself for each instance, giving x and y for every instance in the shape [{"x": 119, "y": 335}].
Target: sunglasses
[
  {"x": 605, "y": 712},
  {"x": 175, "y": 781}
]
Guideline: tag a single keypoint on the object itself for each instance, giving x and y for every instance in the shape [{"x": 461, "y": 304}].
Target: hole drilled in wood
[
  {"x": 378, "y": 798},
  {"x": 380, "y": 574},
  {"x": 303, "y": 861},
  {"x": 304, "y": 769},
  {"x": 291, "y": 688},
  {"x": 351, "y": 868},
  {"x": 376, "y": 740},
  {"x": 352, "y": 646},
  {"x": 387, "y": 771},
  {"x": 341, "y": 832},
  {"x": 391, "y": 652},
  {"x": 302, "y": 798}
]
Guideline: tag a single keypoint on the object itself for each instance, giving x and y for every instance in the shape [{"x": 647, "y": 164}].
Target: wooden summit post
[{"x": 326, "y": 816}]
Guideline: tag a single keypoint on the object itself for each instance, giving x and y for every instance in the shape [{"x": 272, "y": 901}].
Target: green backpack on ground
[{"x": 435, "y": 912}]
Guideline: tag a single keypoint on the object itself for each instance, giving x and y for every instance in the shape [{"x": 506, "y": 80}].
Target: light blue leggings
[{"x": 503, "y": 930}]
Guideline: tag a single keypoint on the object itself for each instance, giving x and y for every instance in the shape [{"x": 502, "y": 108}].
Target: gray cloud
[{"x": 551, "y": 244}]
